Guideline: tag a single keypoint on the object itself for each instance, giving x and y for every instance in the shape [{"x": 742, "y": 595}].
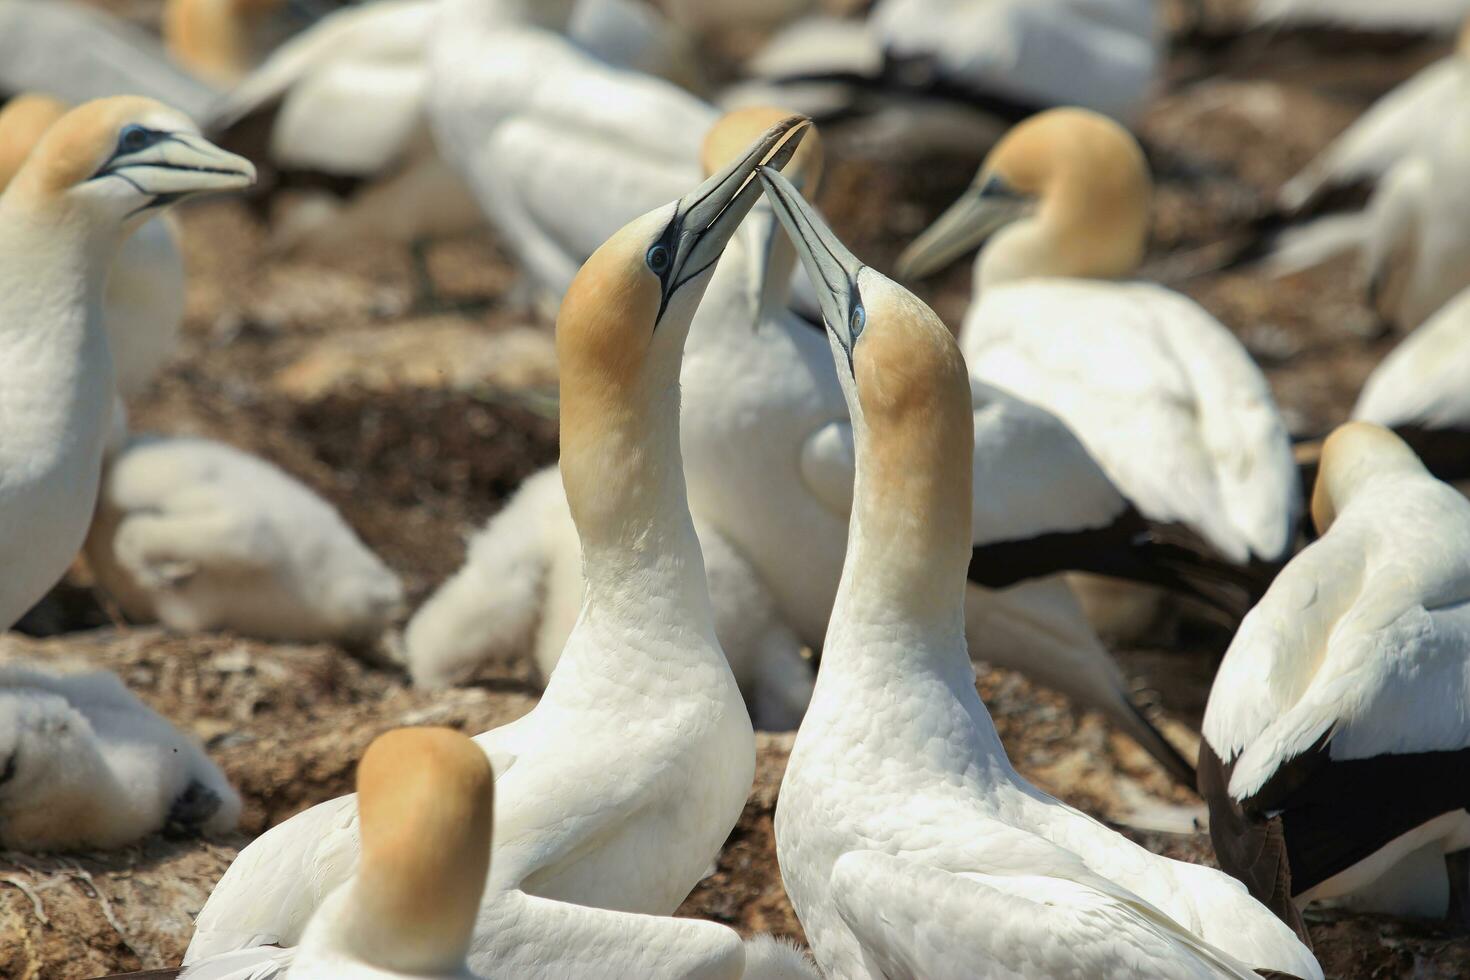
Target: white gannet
[
  {"x": 1013, "y": 56},
  {"x": 78, "y": 52},
  {"x": 907, "y": 843},
  {"x": 559, "y": 146},
  {"x": 520, "y": 590},
  {"x": 427, "y": 802},
  {"x": 86, "y": 765},
  {"x": 620, "y": 786},
  {"x": 1409, "y": 238},
  {"x": 101, "y": 170},
  {"x": 1368, "y": 15},
  {"x": 201, "y": 536},
  {"x": 1421, "y": 390},
  {"x": 1159, "y": 391},
  {"x": 1337, "y": 736},
  {"x": 1389, "y": 131},
  {"x": 768, "y": 459},
  {"x": 145, "y": 288}
]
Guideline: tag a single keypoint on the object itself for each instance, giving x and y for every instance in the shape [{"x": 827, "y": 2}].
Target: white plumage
[
  {"x": 1161, "y": 394},
  {"x": 201, "y": 536},
  {"x": 84, "y": 764},
  {"x": 1425, "y": 380},
  {"x": 521, "y": 589},
  {"x": 560, "y": 147},
  {"x": 617, "y": 790},
  {"x": 1357, "y": 652},
  {"x": 907, "y": 843},
  {"x": 61, "y": 220}
]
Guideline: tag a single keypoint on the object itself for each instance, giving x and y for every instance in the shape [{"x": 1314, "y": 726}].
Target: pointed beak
[
  {"x": 832, "y": 269},
  {"x": 706, "y": 217},
  {"x": 965, "y": 225},
  {"x": 182, "y": 164}
]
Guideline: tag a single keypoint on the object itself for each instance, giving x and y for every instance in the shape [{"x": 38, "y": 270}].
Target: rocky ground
[{"x": 419, "y": 425}]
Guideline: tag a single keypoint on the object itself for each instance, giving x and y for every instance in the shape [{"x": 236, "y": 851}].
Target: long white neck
[
  {"x": 641, "y": 562},
  {"x": 901, "y": 597},
  {"x": 54, "y": 360}
]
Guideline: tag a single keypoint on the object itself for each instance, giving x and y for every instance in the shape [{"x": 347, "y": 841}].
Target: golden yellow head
[
  {"x": 119, "y": 158},
  {"x": 1353, "y": 453},
  {"x": 211, "y": 37},
  {"x": 1080, "y": 182},
  {"x": 23, "y": 120},
  {"x": 426, "y": 805}
]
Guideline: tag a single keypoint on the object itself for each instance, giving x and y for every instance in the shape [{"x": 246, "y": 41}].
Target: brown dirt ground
[{"x": 418, "y": 457}]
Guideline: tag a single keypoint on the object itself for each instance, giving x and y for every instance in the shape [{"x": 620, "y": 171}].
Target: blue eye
[
  {"x": 859, "y": 320},
  {"x": 134, "y": 138},
  {"x": 658, "y": 259}
]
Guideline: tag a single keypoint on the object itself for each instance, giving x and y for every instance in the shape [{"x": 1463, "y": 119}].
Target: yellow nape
[
  {"x": 1093, "y": 184},
  {"x": 1352, "y": 452},
  {"x": 72, "y": 149},
  {"x": 914, "y": 390},
  {"x": 732, "y": 135},
  {"x": 426, "y": 805},
  {"x": 23, "y": 120},
  {"x": 211, "y": 37}
]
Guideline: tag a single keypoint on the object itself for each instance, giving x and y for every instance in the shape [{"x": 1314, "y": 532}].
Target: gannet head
[
  {"x": 622, "y": 325},
  {"x": 907, "y": 387},
  {"x": 209, "y": 37},
  {"x": 425, "y": 803},
  {"x": 114, "y": 162},
  {"x": 771, "y": 256},
  {"x": 1081, "y": 183},
  {"x": 1353, "y": 454},
  {"x": 23, "y": 120}
]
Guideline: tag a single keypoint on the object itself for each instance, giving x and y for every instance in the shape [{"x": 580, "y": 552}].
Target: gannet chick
[
  {"x": 1336, "y": 736},
  {"x": 144, "y": 301},
  {"x": 615, "y": 792},
  {"x": 426, "y": 798},
  {"x": 521, "y": 588},
  {"x": 907, "y": 843},
  {"x": 201, "y": 536},
  {"x": 1421, "y": 391},
  {"x": 100, "y": 171},
  {"x": 1160, "y": 392},
  {"x": 85, "y": 765}
]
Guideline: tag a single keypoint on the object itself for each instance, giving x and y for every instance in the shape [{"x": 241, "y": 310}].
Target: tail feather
[{"x": 771, "y": 958}]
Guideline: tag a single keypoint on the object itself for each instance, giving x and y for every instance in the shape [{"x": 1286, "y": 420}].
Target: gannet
[
  {"x": 427, "y": 801},
  {"x": 1389, "y": 131},
  {"x": 1336, "y": 739},
  {"x": 86, "y": 765},
  {"x": 1421, "y": 390},
  {"x": 144, "y": 302},
  {"x": 1159, "y": 391},
  {"x": 77, "y": 52},
  {"x": 101, "y": 170},
  {"x": 907, "y": 843},
  {"x": 768, "y": 457},
  {"x": 520, "y": 590},
  {"x": 1011, "y": 56},
  {"x": 620, "y": 786},
  {"x": 201, "y": 536},
  {"x": 559, "y": 146},
  {"x": 1409, "y": 239}
]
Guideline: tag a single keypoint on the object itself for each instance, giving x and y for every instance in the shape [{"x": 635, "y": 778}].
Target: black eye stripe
[{"x": 132, "y": 139}]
